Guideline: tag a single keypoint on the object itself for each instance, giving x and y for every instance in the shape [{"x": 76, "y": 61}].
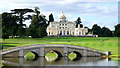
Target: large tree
[
  {"x": 38, "y": 25},
  {"x": 20, "y": 13},
  {"x": 9, "y": 24},
  {"x": 117, "y": 30},
  {"x": 106, "y": 32},
  {"x": 96, "y": 30}
]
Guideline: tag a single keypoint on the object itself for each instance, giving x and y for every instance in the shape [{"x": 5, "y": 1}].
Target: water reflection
[{"x": 41, "y": 61}]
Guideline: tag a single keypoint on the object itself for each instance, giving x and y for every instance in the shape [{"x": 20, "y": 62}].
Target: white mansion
[{"x": 66, "y": 28}]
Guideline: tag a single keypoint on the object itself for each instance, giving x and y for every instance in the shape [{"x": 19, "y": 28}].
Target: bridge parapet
[{"x": 42, "y": 49}]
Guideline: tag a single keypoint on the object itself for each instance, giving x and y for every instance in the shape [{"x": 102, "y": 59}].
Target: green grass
[
  {"x": 29, "y": 56},
  {"x": 101, "y": 43},
  {"x": 72, "y": 56},
  {"x": 51, "y": 56}
]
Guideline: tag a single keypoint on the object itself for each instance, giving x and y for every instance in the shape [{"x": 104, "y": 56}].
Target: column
[
  {"x": 42, "y": 51},
  {"x": 65, "y": 32},
  {"x": 81, "y": 32},
  {"x": 21, "y": 53},
  {"x": 69, "y": 32},
  {"x": 62, "y": 32},
  {"x": 85, "y": 52},
  {"x": 65, "y": 51}
]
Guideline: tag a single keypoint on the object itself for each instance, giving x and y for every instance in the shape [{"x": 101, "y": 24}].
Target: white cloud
[{"x": 94, "y": 11}]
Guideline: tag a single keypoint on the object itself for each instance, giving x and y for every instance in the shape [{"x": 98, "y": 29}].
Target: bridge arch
[
  {"x": 36, "y": 55},
  {"x": 57, "y": 52},
  {"x": 78, "y": 55}
]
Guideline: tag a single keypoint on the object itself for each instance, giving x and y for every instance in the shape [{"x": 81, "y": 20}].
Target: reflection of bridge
[
  {"x": 60, "y": 49},
  {"x": 41, "y": 61}
]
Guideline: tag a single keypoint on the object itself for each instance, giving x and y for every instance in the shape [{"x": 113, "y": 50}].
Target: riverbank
[{"x": 101, "y": 43}]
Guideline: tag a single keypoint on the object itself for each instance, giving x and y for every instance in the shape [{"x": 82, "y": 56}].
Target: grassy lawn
[
  {"x": 101, "y": 43},
  {"x": 51, "y": 56},
  {"x": 72, "y": 56}
]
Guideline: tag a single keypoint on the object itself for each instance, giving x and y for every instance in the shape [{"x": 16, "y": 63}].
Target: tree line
[
  {"x": 105, "y": 31},
  {"x": 12, "y": 24}
]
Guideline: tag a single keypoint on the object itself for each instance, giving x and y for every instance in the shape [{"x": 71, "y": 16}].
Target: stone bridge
[{"x": 60, "y": 49}]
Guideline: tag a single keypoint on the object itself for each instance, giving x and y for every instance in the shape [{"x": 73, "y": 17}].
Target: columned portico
[{"x": 65, "y": 28}]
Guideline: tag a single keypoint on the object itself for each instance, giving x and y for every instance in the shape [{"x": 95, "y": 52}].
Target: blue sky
[{"x": 101, "y": 12}]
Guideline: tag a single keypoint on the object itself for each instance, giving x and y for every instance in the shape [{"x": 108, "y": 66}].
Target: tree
[
  {"x": 78, "y": 21},
  {"x": 20, "y": 13},
  {"x": 117, "y": 30},
  {"x": 9, "y": 24},
  {"x": 106, "y": 32},
  {"x": 96, "y": 30},
  {"x": 38, "y": 25},
  {"x": 51, "y": 18}
]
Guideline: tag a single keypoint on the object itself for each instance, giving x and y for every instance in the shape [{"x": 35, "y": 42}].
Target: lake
[{"x": 62, "y": 61}]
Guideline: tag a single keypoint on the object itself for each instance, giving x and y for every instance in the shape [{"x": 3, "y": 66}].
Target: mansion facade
[{"x": 66, "y": 28}]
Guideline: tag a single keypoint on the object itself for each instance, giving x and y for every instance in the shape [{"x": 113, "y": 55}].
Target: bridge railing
[
  {"x": 54, "y": 45},
  {"x": 88, "y": 48}
]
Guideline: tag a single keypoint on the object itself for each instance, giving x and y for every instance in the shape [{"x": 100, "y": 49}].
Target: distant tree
[
  {"x": 106, "y": 32},
  {"x": 51, "y": 18},
  {"x": 89, "y": 31},
  {"x": 96, "y": 30},
  {"x": 78, "y": 21},
  {"x": 117, "y": 30}
]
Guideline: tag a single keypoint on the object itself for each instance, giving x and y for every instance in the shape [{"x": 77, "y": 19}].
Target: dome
[{"x": 62, "y": 16}]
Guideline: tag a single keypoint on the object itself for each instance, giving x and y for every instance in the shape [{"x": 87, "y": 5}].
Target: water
[{"x": 64, "y": 61}]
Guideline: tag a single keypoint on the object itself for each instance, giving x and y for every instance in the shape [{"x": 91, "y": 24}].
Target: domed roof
[{"x": 62, "y": 16}]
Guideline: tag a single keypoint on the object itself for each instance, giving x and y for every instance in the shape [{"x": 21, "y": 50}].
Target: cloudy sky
[{"x": 101, "y": 12}]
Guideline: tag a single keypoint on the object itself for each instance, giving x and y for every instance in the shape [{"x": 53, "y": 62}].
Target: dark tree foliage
[
  {"x": 12, "y": 24},
  {"x": 9, "y": 24},
  {"x": 38, "y": 25},
  {"x": 101, "y": 32},
  {"x": 117, "y": 30},
  {"x": 78, "y": 21},
  {"x": 96, "y": 30},
  {"x": 51, "y": 18},
  {"x": 106, "y": 32},
  {"x": 20, "y": 13}
]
